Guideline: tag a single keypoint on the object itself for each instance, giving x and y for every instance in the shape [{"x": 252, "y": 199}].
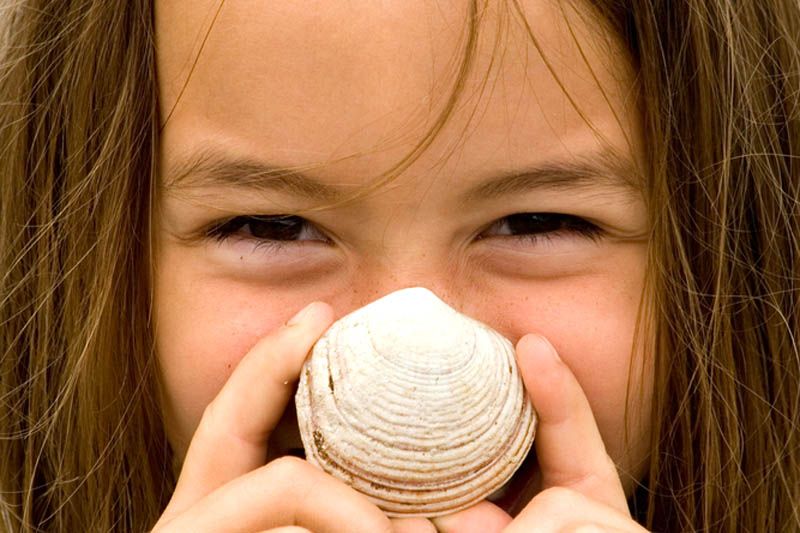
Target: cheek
[
  {"x": 202, "y": 331},
  {"x": 592, "y": 328}
]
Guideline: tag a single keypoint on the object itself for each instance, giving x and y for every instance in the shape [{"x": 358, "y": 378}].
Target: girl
[{"x": 612, "y": 185}]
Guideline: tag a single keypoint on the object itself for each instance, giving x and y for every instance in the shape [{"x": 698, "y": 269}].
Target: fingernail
[
  {"x": 542, "y": 344},
  {"x": 301, "y": 315}
]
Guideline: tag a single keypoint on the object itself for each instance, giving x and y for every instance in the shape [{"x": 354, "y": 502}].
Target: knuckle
[
  {"x": 209, "y": 412},
  {"x": 208, "y": 420},
  {"x": 220, "y": 427},
  {"x": 216, "y": 422},
  {"x": 555, "y": 498},
  {"x": 609, "y": 464},
  {"x": 289, "y": 468},
  {"x": 559, "y": 494}
]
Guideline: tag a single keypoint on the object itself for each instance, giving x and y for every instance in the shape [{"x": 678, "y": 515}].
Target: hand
[
  {"x": 224, "y": 484},
  {"x": 581, "y": 490}
]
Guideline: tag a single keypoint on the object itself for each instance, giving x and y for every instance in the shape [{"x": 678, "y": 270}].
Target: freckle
[
  {"x": 241, "y": 258},
  {"x": 228, "y": 365}
]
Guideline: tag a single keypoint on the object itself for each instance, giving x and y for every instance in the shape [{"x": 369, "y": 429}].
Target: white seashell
[{"x": 415, "y": 405}]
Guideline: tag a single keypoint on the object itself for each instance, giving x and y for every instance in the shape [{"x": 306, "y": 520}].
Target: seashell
[{"x": 415, "y": 405}]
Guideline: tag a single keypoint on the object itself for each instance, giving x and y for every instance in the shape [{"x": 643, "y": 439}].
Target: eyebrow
[
  {"x": 207, "y": 168},
  {"x": 605, "y": 168},
  {"x": 211, "y": 168}
]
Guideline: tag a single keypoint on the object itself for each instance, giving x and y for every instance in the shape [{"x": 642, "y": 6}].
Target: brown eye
[
  {"x": 276, "y": 229},
  {"x": 267, "y": 228},
  {"x": 541, "y": 224}
]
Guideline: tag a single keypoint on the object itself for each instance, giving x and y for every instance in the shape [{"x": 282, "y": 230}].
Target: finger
[
  {"x": 569, "y": 448},
  {"x": 484, "y": 517},
  {"x": 567, "y": 511},
  {"x": 231, "y": 438},
  {"x": 286, "y": 492},
  {"x": 412, "y": 525}
]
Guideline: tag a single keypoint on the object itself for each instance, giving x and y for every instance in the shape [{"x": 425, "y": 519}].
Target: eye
[
  {"x": 266, "y": 228},
  {"x": 537, "y": 226}
]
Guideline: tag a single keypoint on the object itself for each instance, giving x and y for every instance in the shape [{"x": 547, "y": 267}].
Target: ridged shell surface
[{"x": 415, "y": 405}]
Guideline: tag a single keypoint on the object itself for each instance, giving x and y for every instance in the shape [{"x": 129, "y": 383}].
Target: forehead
[{"x": 315, "y": 81}]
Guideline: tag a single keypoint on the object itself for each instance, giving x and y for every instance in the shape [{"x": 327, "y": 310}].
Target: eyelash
[
  {"x": 530, "y": 227},
  {"x": 545, "y": 226},
  {"x": 291, "y": 226}
]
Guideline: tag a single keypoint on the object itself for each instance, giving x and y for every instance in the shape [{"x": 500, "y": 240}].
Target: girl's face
[{"x": 523, "y": 212}]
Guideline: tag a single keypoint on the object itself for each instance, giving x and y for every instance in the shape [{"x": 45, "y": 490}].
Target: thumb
[{"x": 569, "y": 448}]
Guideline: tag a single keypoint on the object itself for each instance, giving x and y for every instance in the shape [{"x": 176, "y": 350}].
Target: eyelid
[
  {"x": 567, "y": 224},
  {"x": 230, "y": 227}
]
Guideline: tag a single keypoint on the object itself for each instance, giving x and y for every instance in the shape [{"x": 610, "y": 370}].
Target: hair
[
  {"x": 720, "y": 88},
  {"x": 82, "y": 444}
]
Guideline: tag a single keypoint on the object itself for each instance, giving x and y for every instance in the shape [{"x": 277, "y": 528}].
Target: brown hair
[
  {"x": 81, "y": 445},
  {"x": 720, "y": 87},
  {"x": 81, "y": 441}
]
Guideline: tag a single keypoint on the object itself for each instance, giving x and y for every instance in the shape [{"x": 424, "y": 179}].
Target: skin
[{"x": 343, "y": 92}]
